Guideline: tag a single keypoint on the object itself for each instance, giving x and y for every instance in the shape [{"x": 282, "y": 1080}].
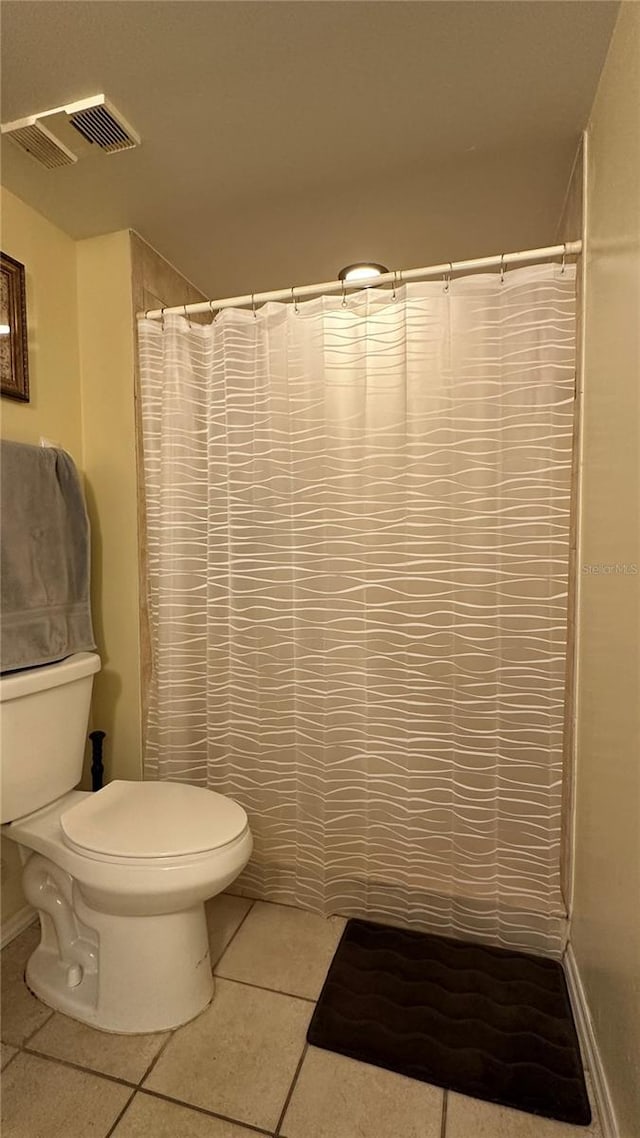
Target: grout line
[
  {"x": 118, "y": 1119},
  {"x": 17, "y": 1051},
  {"x": 285, "y": 1108},
  {"x": 76, "y": 1067},
  {"x": 287, "y": 905},
  {"x": 284, "y": 905},
  {"x": 27, "y": 1039},
  {"x": 135, "y": 1088},
  {"x": 156, "y": 1057},
  {"x": 262, "y": 988},
  {"x": 204, "y": 1110},
  {"x": 215, "y": 963},
  {"x": 443, "y": 1125}
]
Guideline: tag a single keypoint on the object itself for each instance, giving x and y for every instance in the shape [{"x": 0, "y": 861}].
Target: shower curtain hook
[
  {"x": 447, "y": 277},
  {"x": 213, "y": 315},
  {"x": 393, "y": 288},
  {"x": 564, "y": 255},
  {"x": 187, "y": 316},
  {"x": 295, "y": 301},
  {"x": 162, "y": 318},
  {"x": 344, "y": 295},
  {"x": 253, "y": 305},
  {"x": 502, "y": 268}
]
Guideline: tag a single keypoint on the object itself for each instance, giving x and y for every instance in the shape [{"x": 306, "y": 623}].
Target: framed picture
[{"x": 14, "y": 368}]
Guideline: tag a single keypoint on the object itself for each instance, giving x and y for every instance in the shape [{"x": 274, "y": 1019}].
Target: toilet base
[{"x": 153, "y": 973}]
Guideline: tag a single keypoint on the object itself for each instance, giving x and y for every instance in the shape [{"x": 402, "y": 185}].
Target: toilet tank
[{"x": 44, "y": 713}]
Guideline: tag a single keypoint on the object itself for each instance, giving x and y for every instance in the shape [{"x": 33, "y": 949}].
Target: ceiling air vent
[
  {"x": 99, "y": 122},
  {"x": 61, "y": 136},
  {"x": 32, "y": 136}
]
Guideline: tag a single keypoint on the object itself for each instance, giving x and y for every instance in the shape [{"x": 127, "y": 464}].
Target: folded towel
[{"x": 45, "y": 611}]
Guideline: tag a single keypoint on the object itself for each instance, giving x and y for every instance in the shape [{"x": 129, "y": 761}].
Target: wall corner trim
[
  {"x": 589, "y": 1046},
  {"x": 16, "y": 924}
]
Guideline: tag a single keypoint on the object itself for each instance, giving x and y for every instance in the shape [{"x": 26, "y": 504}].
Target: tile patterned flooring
[{"x": 241, "y": 1068}]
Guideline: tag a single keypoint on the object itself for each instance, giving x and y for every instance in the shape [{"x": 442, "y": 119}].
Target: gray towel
[{"x": 45, "y": 611}]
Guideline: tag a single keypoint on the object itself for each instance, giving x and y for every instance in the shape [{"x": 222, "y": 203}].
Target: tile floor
[{"x": 240, "y": 1068}]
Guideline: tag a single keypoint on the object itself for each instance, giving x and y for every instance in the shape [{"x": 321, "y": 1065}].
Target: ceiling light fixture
[{"x": 362, "y": 271}]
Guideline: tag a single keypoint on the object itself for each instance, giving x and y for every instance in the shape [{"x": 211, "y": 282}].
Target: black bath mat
[{"x": 486, "y": 1022}]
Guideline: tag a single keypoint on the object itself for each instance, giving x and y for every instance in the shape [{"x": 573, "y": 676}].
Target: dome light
[{"x": 361, "y": 271}]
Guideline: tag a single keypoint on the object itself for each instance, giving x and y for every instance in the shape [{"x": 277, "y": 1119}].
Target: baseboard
[
  {"x": 16, "y": 924},
  {"x": 589, "y": 1046}
]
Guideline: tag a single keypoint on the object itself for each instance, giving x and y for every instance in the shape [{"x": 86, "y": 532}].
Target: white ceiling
[{"x": 282, "y": 140}]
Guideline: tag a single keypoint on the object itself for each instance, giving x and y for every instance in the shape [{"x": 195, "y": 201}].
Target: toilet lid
[{"x": 153, "y": 819}]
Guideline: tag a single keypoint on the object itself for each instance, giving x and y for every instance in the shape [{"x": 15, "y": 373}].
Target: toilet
[{"x": 119, "y": 877}]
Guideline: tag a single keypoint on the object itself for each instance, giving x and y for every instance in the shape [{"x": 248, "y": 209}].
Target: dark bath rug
[{"x": 487, "y": 1022}]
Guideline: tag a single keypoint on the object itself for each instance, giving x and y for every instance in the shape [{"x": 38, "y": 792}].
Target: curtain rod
[{"x": 501, "y": 260}]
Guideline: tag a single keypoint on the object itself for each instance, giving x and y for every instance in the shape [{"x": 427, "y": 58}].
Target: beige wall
[
  {"x": 54, "y": 372},
  {"x": 54, "y": 363},
  {"x": 81, "y": 349},
  {"x": 155, "y": 284},
  {"x": 81, "y": 299},
  {"x": 108, "y": 426},
  {"x": 118, "y": 275},
  {"x": 81, "y": 346},
  {"x": 606, "y": 907}
]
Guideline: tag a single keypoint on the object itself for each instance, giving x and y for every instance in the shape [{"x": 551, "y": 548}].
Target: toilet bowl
[{"x": 118, "y": 877}]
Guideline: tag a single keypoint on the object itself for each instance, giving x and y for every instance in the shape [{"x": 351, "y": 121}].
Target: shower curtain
[{"x": 358, "y": 540}]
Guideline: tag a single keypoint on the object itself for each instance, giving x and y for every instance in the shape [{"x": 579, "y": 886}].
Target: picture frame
[{"x": 14, "y": 362}]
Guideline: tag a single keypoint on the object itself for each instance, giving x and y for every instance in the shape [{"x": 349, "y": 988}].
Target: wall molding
[
  {"x": 16, "y": 924},
  {"x": 589, "y": 1046}
]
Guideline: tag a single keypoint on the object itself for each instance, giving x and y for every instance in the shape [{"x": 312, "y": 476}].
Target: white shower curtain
[{"x": 358, "y": 539}]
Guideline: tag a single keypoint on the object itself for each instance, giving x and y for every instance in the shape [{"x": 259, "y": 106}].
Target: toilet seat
[{"x": 151, "y": 820}]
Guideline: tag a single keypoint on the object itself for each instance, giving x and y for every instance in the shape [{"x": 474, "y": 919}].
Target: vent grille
[
  {"x": 98, "y": 124},
  {"x": 72, "y": 131},
  {"x": 41, "y": 144}
]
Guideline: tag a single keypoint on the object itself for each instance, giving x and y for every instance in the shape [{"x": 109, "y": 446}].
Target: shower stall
[{"x": 358, "y": 515}]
